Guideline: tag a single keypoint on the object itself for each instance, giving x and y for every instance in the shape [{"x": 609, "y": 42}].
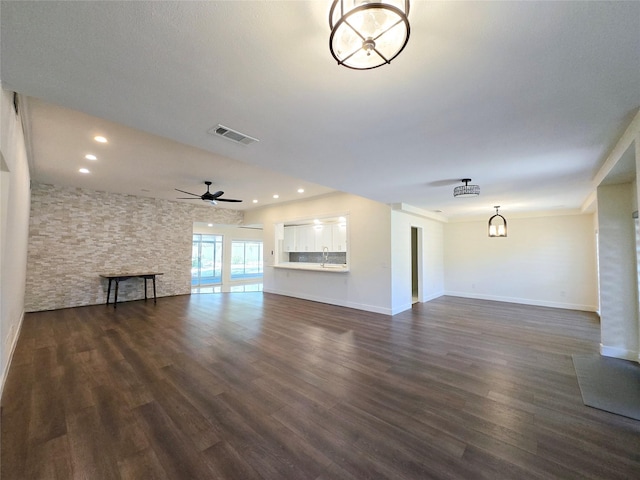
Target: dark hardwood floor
[{"x": 259, "y": 386}]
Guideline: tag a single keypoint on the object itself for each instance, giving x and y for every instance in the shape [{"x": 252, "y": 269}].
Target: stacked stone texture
[{"x": 76, "y": 234}]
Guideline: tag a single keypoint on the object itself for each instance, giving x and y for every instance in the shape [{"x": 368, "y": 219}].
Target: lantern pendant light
[{"x": 497, "y": 225}]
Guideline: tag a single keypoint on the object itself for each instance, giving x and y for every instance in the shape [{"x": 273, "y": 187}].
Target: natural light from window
[
  {"x": 246, "y": 259},
  {"x": 206, "y": 260}
]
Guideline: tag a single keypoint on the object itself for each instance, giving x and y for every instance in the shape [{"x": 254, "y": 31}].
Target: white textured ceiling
[
  {"x": 139, "y": 163},
  {"x": 525, "y": 98}
]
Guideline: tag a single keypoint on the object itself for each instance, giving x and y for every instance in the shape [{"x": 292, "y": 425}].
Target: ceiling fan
[{"x": 207, "y": 196}]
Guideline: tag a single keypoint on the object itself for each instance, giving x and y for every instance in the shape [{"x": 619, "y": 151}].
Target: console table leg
[
  {"x": 145, "y": 289},
  {"x": 115, "y": 300},
  {"x": 154, "y": 289},
  {"x": 108, "y": 291}
]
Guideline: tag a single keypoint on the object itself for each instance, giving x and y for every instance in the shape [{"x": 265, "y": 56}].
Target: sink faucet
[{"x": 325, "y": 255}]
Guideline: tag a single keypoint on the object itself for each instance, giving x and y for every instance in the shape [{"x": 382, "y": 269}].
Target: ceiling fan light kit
[
  {"x": 368, "y": 34},
  {"x": 466, "y": 190},
  {"x": 212, "y": 198}
]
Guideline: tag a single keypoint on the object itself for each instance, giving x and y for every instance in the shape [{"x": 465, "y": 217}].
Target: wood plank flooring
[{"x": 259, "y": 386}]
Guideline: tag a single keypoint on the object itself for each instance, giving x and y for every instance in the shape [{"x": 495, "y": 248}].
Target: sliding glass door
[
  {"x": 206, "y": 260},
  {"x": 246, "y": 259}
]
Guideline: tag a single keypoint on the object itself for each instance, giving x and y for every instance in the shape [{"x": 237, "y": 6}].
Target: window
[
  {"x": 246, "y": 259},
  {"x": 206, "y": 260}
]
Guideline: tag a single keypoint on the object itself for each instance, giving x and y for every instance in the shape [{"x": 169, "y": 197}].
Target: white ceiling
[
  {"x": 147, "y": 165},
  {"x": 525, "y": 98}
]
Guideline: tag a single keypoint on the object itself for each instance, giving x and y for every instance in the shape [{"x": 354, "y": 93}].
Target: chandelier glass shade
[
  {"x": 466, "y": 190},
  {"x": 497, "y": 225},
  {"x": 368, "y": 34}
]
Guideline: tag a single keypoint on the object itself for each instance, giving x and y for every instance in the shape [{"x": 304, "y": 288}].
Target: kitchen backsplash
[{"x": 316, "y": 257}]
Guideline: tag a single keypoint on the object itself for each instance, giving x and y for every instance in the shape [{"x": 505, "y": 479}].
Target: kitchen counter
[{"x": 315, "y": 267}]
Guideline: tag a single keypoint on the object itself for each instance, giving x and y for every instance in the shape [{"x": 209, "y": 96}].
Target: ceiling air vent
[{"x": 232, "y": 135}]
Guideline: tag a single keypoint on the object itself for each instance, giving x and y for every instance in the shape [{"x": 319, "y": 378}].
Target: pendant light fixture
[
  {"x": 366, "y": 34},
  {"x": 497, "y": 225},
  {"x": 466, "y": 190}
]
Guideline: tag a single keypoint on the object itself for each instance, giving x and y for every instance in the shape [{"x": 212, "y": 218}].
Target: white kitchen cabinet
[
  {"x": 305, "y": 238},
  {"x": 299, "y": 238},
  {"x": 314, "y": 238},
  {"x": 289, "y": 244},
  {"x": 323, "y": 237},
  {"x": 338, "y": 238}
]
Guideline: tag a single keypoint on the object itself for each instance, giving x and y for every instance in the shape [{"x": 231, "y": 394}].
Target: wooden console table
[{"x": 118, "y": 277}]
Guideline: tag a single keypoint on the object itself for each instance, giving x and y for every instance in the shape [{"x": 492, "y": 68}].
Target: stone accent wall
[{"x": 76, "y": 234}]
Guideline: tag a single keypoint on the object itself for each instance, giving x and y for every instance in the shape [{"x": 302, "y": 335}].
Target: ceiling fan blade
[
  {"x": 188, "y": 193},
  {"x": 207, "y": 196}
]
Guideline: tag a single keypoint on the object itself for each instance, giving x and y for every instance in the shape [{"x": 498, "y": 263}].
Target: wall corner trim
[{"x": 14, "y": 342}]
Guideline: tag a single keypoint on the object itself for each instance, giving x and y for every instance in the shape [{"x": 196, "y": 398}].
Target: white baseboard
[
  {"x": 433, "y": 296},
  {"x": 525, "y": 301},
  {"x": 617, "y": 352},
  {"x": 357, "y": 306},
  {"x": 401, "y": 308},
  {"x": 333, "y": 301},
  {"x": 12, "y": 347}
]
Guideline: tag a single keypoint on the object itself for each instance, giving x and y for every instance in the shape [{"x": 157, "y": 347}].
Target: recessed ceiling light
[
  {"x": 100, "y": 139},
  {"x": 301, "y": 190},
  {"x": 210, "y": 225},
  {"x": 89, "y": 156},
  {"x": 317, "y": 222},
  {"x": 276, "y": 196},
  {"x": 84, "y": 170},
  {"x": 255, "y": 201}
]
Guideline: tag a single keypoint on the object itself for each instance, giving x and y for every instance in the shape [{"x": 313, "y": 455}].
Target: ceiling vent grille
[{"x": 232, "y": 135}]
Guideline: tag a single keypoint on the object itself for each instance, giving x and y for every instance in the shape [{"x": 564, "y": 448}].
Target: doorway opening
[{"x": 416, "y": 261}]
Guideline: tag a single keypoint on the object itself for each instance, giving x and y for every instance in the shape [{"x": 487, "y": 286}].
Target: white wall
[
  {"x": 368, "y": 285},
  {"x": 431, "y": 275},
  {"x": 618, "y": 271},
  {"x": 14, "y": 227},
  {"x": 618, "y": 259},
  {"x": 548, "y": 261}
]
